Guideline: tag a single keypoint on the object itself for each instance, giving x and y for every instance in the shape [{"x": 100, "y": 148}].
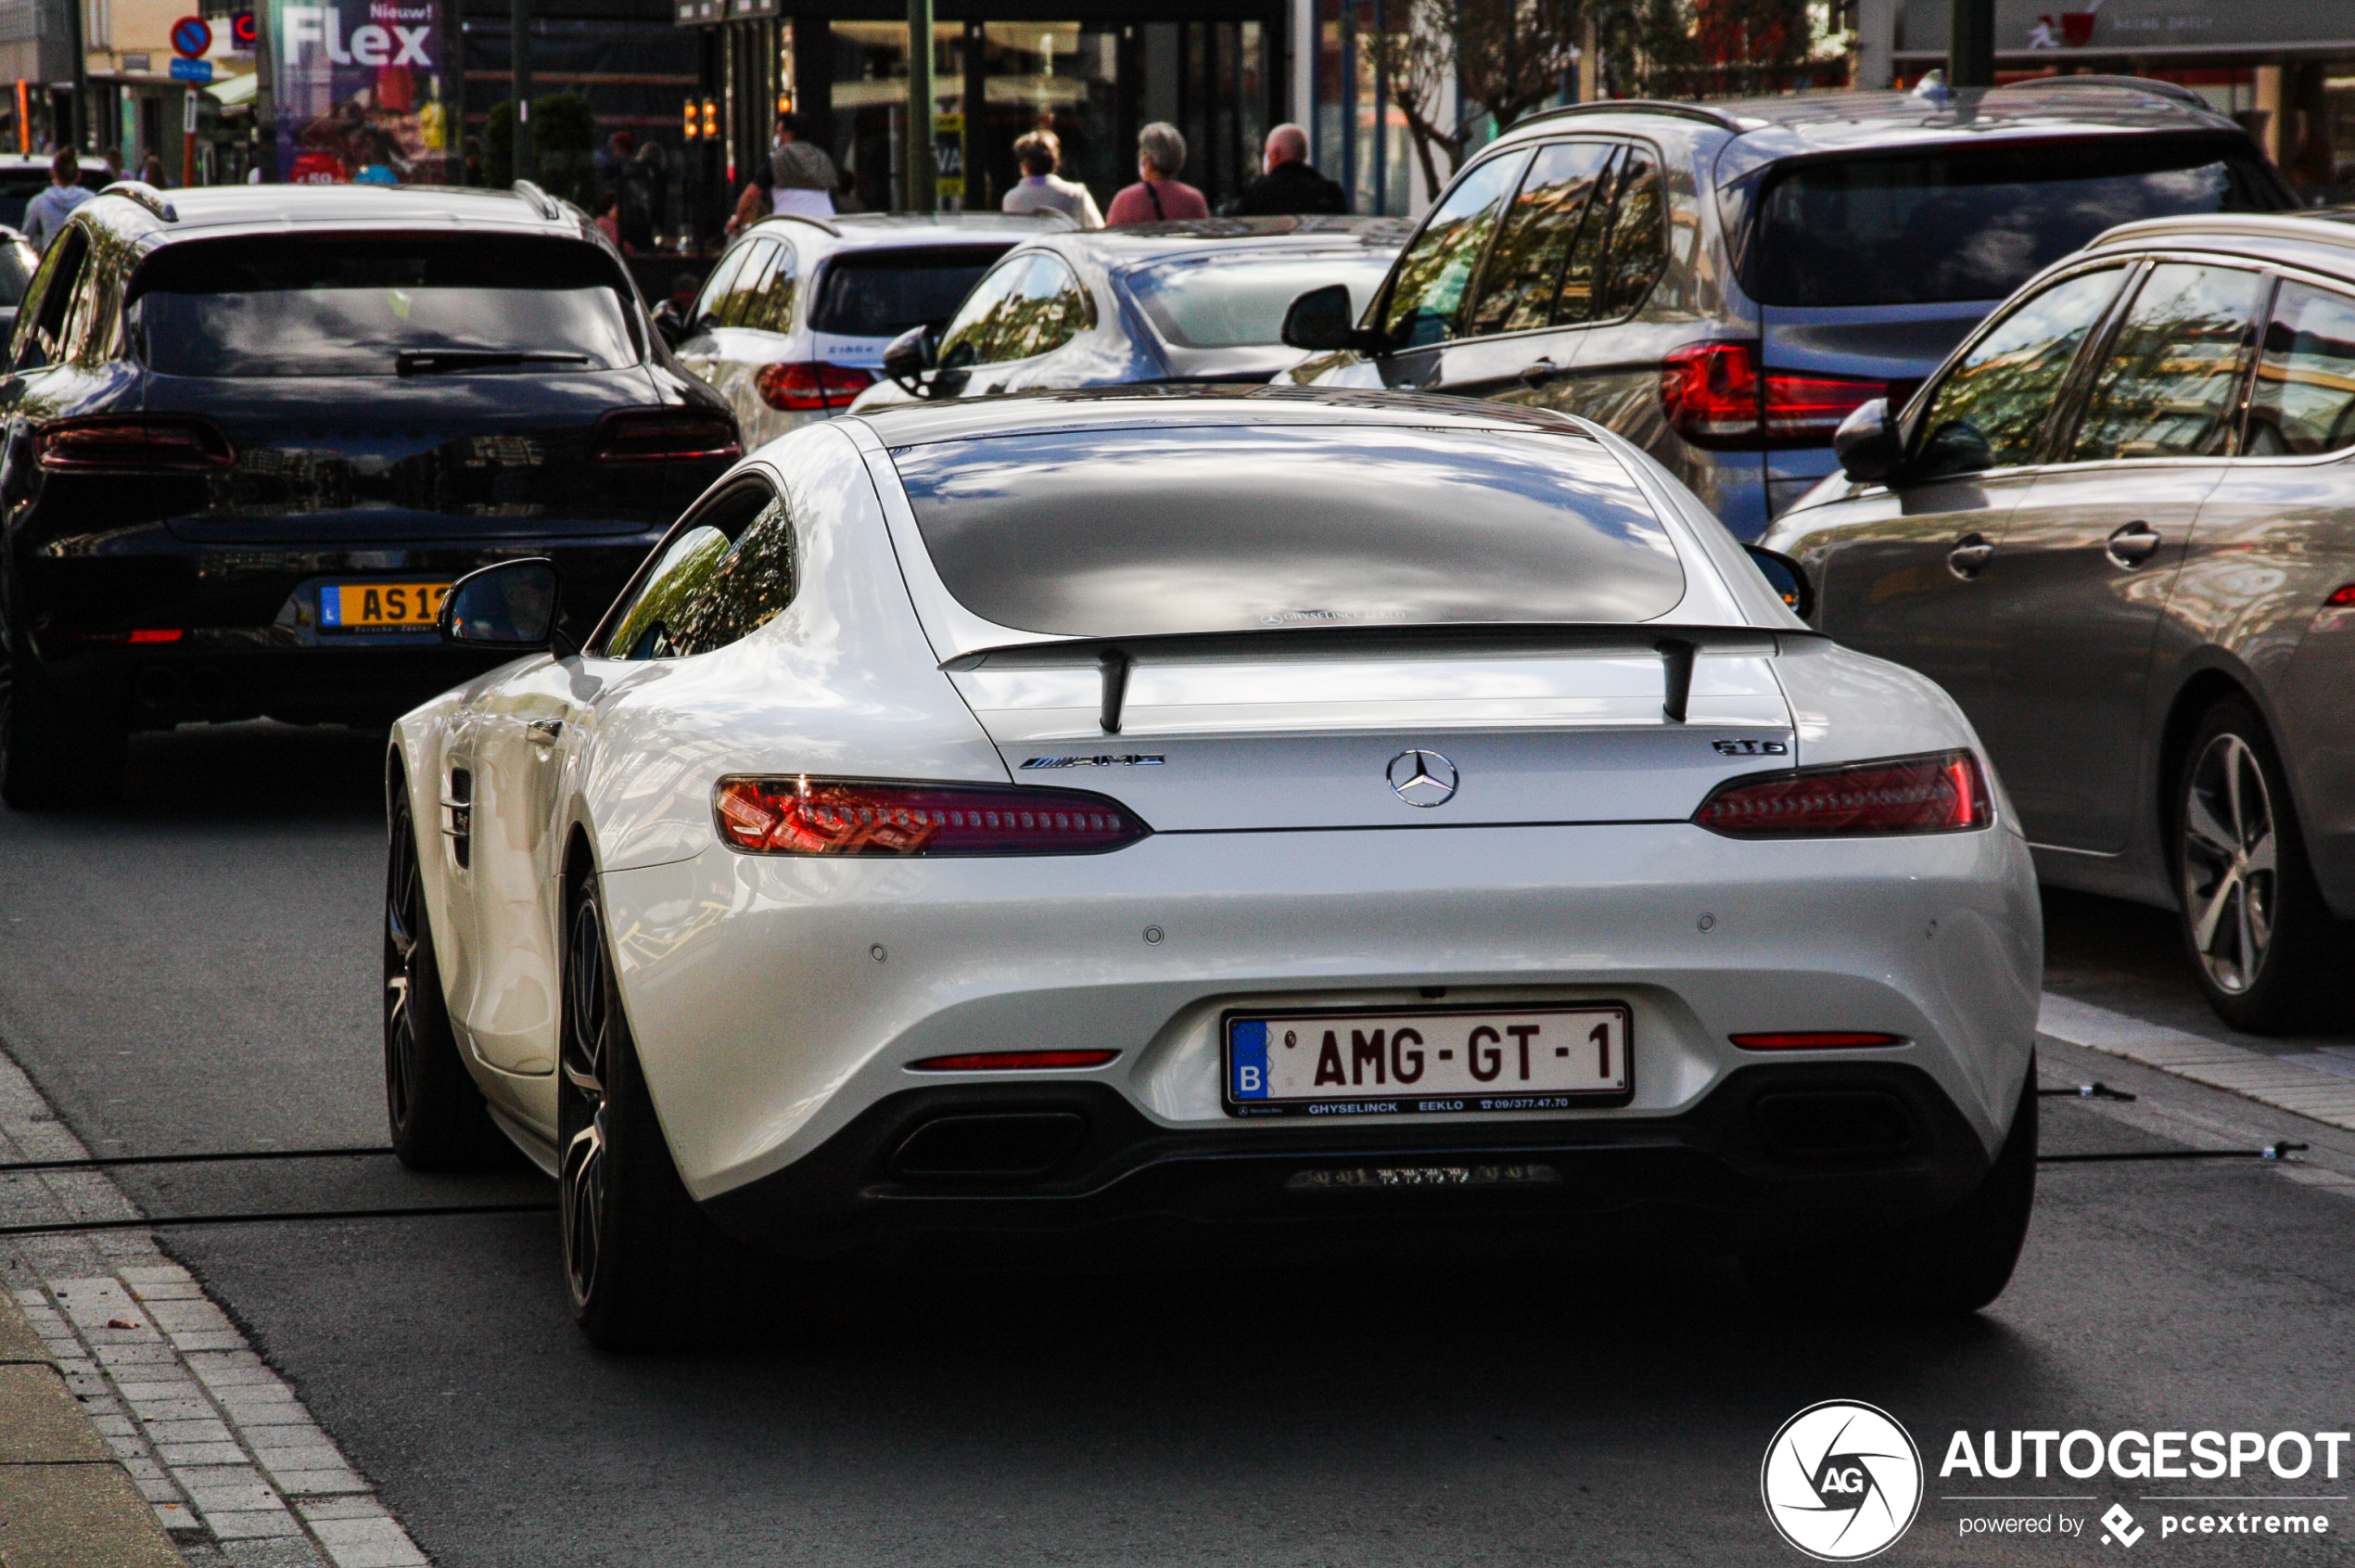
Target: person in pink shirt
[{"x": 1157, "y": 195}]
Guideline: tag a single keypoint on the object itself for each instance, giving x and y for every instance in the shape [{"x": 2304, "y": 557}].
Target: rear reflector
[
  {"x": 1010, "y": 1061},
  {"x": 1815, "y": 1039},
  {"x": 155, "y": 634},
  {"x": 814, "y": 385},
  {"x": 1942, "y": 793},
  {"x": 133, "y": 444},
  {"x": 806, "y": 816},
  {"x": 661, "y": 435}
]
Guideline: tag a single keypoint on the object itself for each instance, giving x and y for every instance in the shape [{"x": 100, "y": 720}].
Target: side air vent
[{"x": 458, "y": 806}]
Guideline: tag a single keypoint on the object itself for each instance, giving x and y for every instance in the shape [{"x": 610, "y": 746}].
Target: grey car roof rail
[
  {"x": 147, "y": 195},
  {"x": 1702, "y": 112},
  {"x": 2175, "y": 91},
  {"x": 539, "y": 200},
  {"x": 829, "y": 225}
]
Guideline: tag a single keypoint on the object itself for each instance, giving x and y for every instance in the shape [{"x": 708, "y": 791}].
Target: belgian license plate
[
  {"x": 1439, "y": 1059},
  {"x": 379, "y": 606}
]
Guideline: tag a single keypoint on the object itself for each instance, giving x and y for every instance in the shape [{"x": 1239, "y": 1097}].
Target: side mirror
[
  {"x": 909, "y": 357},
  {"x": 1869, "y": 443},
  {"x": 667, "y": 322},
  {"x": 1320, "y": 321},
  {"x": 511, "y": 605},
  {"x": 1786, "y": 578}
]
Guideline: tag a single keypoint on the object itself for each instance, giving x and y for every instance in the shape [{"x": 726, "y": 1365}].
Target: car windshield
[
  {"x": 1977, "y": 223},
  {"x": 883, "y": 293},
  {"x": 1138, "y": 532},
  {"x": 1238, "y": 301},
  {"x": 379, "y": 305}
]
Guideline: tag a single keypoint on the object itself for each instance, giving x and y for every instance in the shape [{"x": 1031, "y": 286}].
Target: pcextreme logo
[{"x": 1841, "y": 1481}]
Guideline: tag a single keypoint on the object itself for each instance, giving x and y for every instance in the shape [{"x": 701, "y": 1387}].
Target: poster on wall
[{"x": 363, "y": 94}]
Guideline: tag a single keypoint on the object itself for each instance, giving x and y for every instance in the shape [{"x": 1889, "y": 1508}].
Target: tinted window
[
  {"x": 962, "y": 342},
  {"x": 2304, "y": 401},
  {"x": 1582, "y": 278},
  {"x": 716, "y": 286},
  {"x": 2171, "y": 381},
  {"x": 41, "y": 331},
  {"x": 1238, "y": 301},
  {"x": 379, "y": 305},
  {"x": 745, "y": 284},
  {"x": 1137, "y": 532},
  {"x": 707, "y": 592},
  {"x": 1032, "y": 305},
  {"x": 883, "y": 293},
  {"x": 1975, "y": 223},
  {"x": 1426, "y": 290},
  {"x": 768, "y": 304},
  {"x": 18, "y": 263},
  {"x": 1638, "y": 250},
  {"x": 1990, "y": 410},
  {"x": 1525, "y": 271},
  {"x": 645, "y": 631}
]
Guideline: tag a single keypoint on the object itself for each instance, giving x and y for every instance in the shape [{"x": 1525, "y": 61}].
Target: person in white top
[
  {"x": 1038, "y": 153},
  {"x": 804, "y": 175}
]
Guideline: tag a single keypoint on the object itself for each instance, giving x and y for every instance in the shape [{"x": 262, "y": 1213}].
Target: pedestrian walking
[
  {"x": 802, "y": 178},
  {"x": 46, "y": 213},
  {"x": 1289, "y": 183},
  {"x": 1041, "y": 189},
  {"x": 1157, "y": 195}
]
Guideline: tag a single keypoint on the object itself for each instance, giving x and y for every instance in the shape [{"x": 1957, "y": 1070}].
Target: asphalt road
[{"x": 196, "y": 970}]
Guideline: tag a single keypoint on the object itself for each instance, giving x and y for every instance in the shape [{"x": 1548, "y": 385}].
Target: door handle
[
  {"x": 544, "y": 731},
  {"x": 1540, "y": 374},
  {"x": 2133, "y": 544},
  {"x": 1970, "y": 554}
]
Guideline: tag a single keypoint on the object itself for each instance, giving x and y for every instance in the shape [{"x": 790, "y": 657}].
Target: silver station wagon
[{"x": 2118, "y": 527}]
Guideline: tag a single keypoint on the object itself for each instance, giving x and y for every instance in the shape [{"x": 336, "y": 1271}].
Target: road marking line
[{"x": 2283, "y": 1082}]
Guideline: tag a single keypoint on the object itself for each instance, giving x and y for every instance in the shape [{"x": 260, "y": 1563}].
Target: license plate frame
[
  {"x": 1450, "y": 1102},
  {"x": 341, "y": 598}
]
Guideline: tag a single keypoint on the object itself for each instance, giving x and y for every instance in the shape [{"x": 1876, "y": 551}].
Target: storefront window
[
  {"x": 870, "y": 96},
  {"x": 1048, "y": 76}
]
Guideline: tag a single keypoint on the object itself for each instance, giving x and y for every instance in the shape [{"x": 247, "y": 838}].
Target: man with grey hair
[
  {"x": 1290, "y": 184},
  {"x": 1157, "y": 197}
]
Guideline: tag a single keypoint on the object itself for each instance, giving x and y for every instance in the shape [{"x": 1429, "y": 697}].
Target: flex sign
[
  {"x": 320, "y": 28},
  {"x": 361, "y": 95}
]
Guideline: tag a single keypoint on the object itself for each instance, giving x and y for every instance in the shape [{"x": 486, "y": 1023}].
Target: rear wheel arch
[{"x": 2203, "y": 691}]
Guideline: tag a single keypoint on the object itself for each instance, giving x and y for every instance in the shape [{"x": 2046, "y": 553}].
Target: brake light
[
  {"x": 110, "y": 444},
  {"x": 1010, "y": 1061},
  {"x": 806, "y": 816},
  {"x": 1715, "y": 395},
  {"x": 799, "y": 388},
  {"x": 1815, "y": 1039},
  {"x": 2342, "y": 598},
  {"x": 660, "y": 435},
  {"x": 1942, "y": 793}
]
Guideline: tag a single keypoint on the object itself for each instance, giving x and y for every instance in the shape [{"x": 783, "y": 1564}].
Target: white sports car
[{"x": 1322, "y": 815}]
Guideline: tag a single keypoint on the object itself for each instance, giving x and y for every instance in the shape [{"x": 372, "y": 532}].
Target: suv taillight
[
  {"x": 811, "y": 386},
  {"x": 657, "y": 435},
  {"x": 138, "y": 443},
  {"x": 1715, "y": 395},
  {"x": 1943, "y": 792},
  {"x": 806, "y": 816}
]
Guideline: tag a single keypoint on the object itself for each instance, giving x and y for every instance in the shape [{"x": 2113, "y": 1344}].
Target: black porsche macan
[{"x": 252, "y": 434}]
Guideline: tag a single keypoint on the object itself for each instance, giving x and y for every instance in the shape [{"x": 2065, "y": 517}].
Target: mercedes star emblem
[{"x": 1422, "y": 778}]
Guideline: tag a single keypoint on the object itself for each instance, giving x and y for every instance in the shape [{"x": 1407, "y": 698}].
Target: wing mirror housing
[
  {"x": 911, "y": 356},
  {"x": 1869, "y": 443},
  {"x": 511, "y": 605},
  {"x": 1786, "y": 578},
  {"x": 1321, "y": 321}
]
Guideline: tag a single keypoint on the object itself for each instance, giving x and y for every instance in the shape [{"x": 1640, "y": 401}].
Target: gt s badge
[
  {"x": 1131, "y": 760},
  {"x": 1751, "y": 748}
]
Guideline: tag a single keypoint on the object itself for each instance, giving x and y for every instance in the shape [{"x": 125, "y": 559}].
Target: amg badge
[
  {"x": 1129, "y": 760},
  {"x": 1751, "y": 748}
]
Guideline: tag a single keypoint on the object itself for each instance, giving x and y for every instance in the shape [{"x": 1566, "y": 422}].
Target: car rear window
[
  {"x": 1139, "y": 532},
  {"x": 18, "y": 263},
  {"x": 379, "y": 305},
  {"x": 1238, "y": 301},
  {"x": 19, "y": 186},
  {"x": 883, "y": 293},
  {"x": 1976, "y": 222}
]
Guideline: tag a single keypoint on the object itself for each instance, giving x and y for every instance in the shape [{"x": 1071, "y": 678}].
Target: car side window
[
  {"x": 1524, "y": 272},
  {"x": 1582, "y": 278},
  {"x": 770, "y": 304},
  {"x": 716, "y": 286},
  {"x": 1639, "y": 252},
  {"x": 1048, "y": 308},
  {"x": 2304, "y": 405},
  {"x": 966, "y": 339},
  {"x": 644, "y": 631},
  {"x": 2170, "y": 381},
  {"x": 1427, "y": 287},
  {"x": 708, "y": 589},
  {"x": 745, "y": 287},
  {"x": 41, "y": 329},
  {"x": 1991, "y": 409}
]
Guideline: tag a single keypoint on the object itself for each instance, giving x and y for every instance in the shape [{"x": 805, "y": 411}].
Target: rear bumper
[{"x": 1776, "y": 1154}]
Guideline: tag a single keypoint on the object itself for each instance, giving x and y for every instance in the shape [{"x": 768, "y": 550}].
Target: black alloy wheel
[
  {"x": 2263, "y": 944},
  {"x": 437, "y": 1117},
  {"x": 645, "y": 1267}
]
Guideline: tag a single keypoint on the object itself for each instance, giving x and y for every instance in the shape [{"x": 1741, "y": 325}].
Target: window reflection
[
  {"x": 1428, "y": 294},
  {"x": 1989, "y": 411},
  {"x": 2172, "y": 379},
  {"x": 2305, "y": 399}
]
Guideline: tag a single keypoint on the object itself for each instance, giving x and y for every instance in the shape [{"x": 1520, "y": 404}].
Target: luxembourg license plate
[
  {"x": 379, "y": 606},
  {"x": 1437, "y": 1059}
]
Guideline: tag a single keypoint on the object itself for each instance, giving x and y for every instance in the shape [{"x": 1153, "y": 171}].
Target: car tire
[
  {"x": 51, "y": 754},
  {"x": 645, "y": 1267},
  {"x": 1947, "y": 1267},
  {"x": 2267, "y": 951},
  {"x": 439, "y": 1118}
]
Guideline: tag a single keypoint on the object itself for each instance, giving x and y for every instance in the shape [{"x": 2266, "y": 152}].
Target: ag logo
[{"x": 1841, "y": 1481}]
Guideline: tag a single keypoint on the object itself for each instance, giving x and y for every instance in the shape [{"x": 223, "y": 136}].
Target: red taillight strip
[
  {"x": 661, "y": 435},
  {"x": 1717, "y": 395},
  {"x": 110, "y": 443},
  {"x": 2343, "y": 598},
  {"x": 807, "y": 816},
  {"x": 1944, "y": 792},
  {"x": 1010, "y": 1061},
  {"x": 811, "y": 386},
  {"x": 1816, "y": 1040}
]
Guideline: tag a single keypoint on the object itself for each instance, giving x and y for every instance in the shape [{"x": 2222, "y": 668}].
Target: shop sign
[{"x": 2041, "y": 29}]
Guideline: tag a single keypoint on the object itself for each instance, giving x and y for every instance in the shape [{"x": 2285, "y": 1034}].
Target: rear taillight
[
  {"x": 1942, "y": 793},
  {"x": 804, "y": 816},
  {"x": 1715, "y": 395},
  {"x": 133, "y": 444},
  {"x": 657, "y": 435},
  {"x": 802, "y": 388},
  {"x": 1815, "y": 1039}
]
